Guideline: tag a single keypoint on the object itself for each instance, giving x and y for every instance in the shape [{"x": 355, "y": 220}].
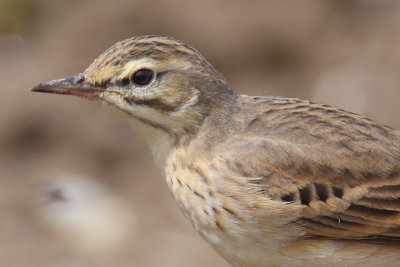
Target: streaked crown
[{"x": 165, "y": 52}]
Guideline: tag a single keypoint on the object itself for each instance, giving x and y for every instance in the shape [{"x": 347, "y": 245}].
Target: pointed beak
[{"x": 74, "y": 85}]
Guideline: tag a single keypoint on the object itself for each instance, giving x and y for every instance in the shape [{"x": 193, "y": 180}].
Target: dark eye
[{"x": 142, "y": 77}]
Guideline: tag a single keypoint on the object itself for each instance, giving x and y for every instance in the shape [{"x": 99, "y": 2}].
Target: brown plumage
[{"x": 267, "y": 181}]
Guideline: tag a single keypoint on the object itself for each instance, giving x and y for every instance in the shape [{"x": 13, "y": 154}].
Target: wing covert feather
[{"x": 342, "y": 168}]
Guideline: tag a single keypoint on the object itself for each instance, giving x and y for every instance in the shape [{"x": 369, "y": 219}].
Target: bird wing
[{"x": 343, "y": 169}]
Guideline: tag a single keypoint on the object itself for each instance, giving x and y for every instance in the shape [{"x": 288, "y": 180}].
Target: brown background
[{"x": 345, "y": 53}]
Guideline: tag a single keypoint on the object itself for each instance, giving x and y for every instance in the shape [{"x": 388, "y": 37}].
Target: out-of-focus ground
[{"x": 345, "y": 53}]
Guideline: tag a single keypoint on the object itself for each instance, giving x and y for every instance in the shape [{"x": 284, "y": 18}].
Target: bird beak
[{"x": 74, "y": 85}]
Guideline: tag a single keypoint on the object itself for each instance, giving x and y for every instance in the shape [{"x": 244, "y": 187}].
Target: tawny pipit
[{"x": 267, "y": 181}]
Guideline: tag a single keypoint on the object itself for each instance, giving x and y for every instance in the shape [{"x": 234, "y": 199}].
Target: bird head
[{"x": 162, "y": 84}]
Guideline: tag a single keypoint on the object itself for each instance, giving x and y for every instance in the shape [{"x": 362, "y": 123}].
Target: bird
[{"x": 265, "y": 180}]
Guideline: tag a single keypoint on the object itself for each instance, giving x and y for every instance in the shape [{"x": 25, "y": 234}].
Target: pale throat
[{"x": 160, "y": 142}]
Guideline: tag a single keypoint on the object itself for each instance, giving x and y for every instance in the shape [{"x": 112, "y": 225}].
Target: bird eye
[{"x": 142, "y": 77}]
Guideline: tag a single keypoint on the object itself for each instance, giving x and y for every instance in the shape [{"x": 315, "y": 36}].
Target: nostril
[{"x": 80, "y": 80}]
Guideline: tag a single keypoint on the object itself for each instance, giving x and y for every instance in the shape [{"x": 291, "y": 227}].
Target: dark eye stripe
[{"x": 126, "y": 81}]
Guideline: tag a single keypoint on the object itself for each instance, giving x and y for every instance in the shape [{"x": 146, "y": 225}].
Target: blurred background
[{"x": 78, "y": 185}]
